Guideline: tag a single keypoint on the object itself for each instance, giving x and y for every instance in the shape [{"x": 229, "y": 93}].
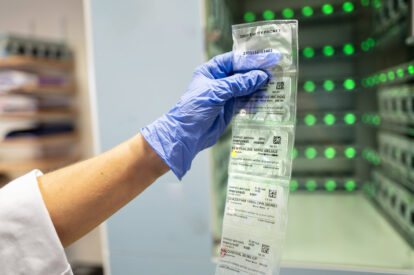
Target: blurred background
[{"x": 78, "y": 77}]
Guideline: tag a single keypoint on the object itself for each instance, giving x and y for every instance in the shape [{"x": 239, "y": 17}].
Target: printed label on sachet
[
  {"x": 254, "y": 205},
  {"x": 272, "y": 103},
  {"x": 258, "y": 151},
  {"x": 247, "y": 253}
]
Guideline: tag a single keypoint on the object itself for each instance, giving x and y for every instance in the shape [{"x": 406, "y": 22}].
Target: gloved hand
[{"x": 203, "y": 112}]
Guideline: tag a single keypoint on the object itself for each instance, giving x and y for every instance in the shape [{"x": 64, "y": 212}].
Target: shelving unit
[
  {"x": 45, "y": 135},
  {"x": 42, "y": 140},
  {"x": 35, "y": 64},
  {"x": 45, "y": 164},
  {"x": 44, "y": 114}
]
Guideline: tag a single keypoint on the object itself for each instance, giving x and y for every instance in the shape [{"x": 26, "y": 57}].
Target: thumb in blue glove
[{"x": 203, "y": 112}]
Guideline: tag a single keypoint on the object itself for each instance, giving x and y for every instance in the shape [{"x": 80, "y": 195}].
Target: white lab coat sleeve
[{"x": 29, "y": 243}]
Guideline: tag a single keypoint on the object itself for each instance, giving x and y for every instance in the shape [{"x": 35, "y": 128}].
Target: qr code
[
  {"x": 277, "y": 139},
  {"x": 265, "y": 248},
  {"x": 280, "y": 85},
  {"x": 272, "y": 193}
]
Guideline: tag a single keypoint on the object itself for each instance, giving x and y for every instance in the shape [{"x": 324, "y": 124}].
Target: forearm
[{"x": 81, "y": 196}]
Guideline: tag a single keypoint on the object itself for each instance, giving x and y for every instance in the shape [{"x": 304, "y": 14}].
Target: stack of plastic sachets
[{"x": 255, "y": 218}]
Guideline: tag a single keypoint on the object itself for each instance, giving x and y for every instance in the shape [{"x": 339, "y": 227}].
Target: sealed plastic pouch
[
  {"x": 244, "y": 252},
  {"x": 256, "y": 204},
  {"x": 260, "y": 166},
  {"x": 270, "y": 46},
  {"x": 273, "y": 104},
  {"x": 254, "y": 226},
  {"x": 262, "y": 150},
  {"x": 253, "y": 42}
]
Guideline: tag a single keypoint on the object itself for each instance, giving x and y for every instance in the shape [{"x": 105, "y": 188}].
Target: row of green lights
[
  {"x": 347, "y": 49},
  {"x": 329, "y": 119},
  {"x": 328, "y": 50},
  {"x": 384, "y": 77},
  {"x": 307, "y": 11},
  {"x": 329, "y": 152},
  {"x": 371, "y": 156},
  {"x": 329, "y": 85},
  {"x": 373, "y": 119},
  {"x": 330, "y": 185}
]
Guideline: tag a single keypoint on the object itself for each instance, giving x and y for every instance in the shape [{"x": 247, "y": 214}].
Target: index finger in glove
[
  {"x": 252, "y": 60},
  {"x": 226, "y": 64},
  {"x": 241, "y": 84}
]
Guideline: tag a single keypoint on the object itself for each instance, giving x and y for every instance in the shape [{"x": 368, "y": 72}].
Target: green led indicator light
[
  {"x": 309, "y": 86},
  {"x": 349, "y": 84},
  {"x": 365, "y": 3},
  {"x": 348, "y": 49},
  {"x": 350, "y": 152},
  {"x": 376, "y": 79},
  {"x": 350, "y": 185},
  {"x": 348, "y": 7},
  {"x": 307, "y": 11},
  {"x": 330, "y": 185},
  {"x": 328, "y": 85},
  {"x": 382, "y": 77},
  {"x": 376, "y": 120},
  {"x": 327, "y": 9},
  {"x": 294, "y": 185},
  {"x": 400, "y": 73},
  {"x": 410, "y": 69},
  {"x": 308, "y": 52},
  {"x": 330, "y": 153},
  {"x": 295, "y": 153},
  {"x": 364, "y": 46},
  {"x": 310, "y": 120},
  {"x": 349, "y": 118},
  {"x": 287, "y": 13},
  {"x": 311, "y": 185},
  {"x": 377, "y": 3},
  {"x": 249, "y": 17},
  {"x": 370, "y": 81},
  {"x": 370, "y": 42},
  {"x": 329, "y": 119},
  {"x": 328, "y": 50},
  {"x": 391, "y": 75},
  {"x": 268, "y": 15},
  {"x": 310, "y": 153}
]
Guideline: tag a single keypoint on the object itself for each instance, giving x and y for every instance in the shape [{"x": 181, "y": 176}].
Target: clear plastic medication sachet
[{"x": 263, "y": 131}]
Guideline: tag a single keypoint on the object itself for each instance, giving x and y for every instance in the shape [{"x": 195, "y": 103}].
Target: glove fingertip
[{"x": 259, "y": 79}]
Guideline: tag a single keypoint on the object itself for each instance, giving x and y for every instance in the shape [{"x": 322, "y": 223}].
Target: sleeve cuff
[{"x": 29, "y": 242}]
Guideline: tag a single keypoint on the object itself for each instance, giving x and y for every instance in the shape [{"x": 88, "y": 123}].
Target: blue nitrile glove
[{"x": 203, "y": 112}]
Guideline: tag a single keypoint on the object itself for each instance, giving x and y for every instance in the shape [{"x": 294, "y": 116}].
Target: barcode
[
  {"x": 272, "y": 193},
  {"x": 251, "y": 52},
  {"x": 277, "y": 139},
  {"x": 280, "y": 85},
  {"x": 265, "y": 248}
]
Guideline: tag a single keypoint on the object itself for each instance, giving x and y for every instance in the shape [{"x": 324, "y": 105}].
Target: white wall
[
  {"x": 60, "y": 19},
  {"x": 144, "y": 56}
]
